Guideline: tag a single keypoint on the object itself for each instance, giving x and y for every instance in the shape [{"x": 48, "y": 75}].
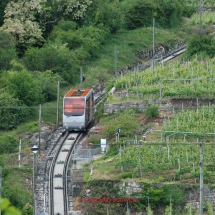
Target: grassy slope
[{"x": 128, "y": 43}]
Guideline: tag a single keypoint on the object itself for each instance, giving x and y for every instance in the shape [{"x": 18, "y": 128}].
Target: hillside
[{"x": 32, "y": 63}]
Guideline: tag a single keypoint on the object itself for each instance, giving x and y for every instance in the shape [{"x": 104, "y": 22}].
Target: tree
[
  {"x": 26, "y": 20},
  {"x": 7, "y": 50},
  {"x": 139, "y": 13},
  {"x": 22, "y": 86},
  {"x": 55, "y": 57},
  {"x": 75, "y": 8},
  {"x": 56, "y": 10},
  {"x": 20, "y": 20},
  {"x": 10, "y": 114},
  {"x": 110, "y": 15},
  {"x": 3, "y": 4},
  {"x": 203, "y": 45}
]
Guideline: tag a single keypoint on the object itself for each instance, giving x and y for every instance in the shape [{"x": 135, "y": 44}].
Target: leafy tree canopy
[
  {"x": 7, "y": 50},
  {"x": 203, "y": 45},
  {"x": 26, "y": 20},
  {"x": 20, "y": 20},
  {"x": 10, "y": 114},
  {"x": 22, "y": 86}
]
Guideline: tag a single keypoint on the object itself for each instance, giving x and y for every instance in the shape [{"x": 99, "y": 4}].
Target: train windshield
[{"x": 74, "y": 106}]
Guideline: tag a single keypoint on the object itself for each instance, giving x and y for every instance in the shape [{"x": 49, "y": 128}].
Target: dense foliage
[
  {"x": 14, "y": 190},
  {"x": 203, "y": 45}
]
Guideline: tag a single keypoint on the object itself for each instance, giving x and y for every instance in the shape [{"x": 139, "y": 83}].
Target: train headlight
[{"x": 81, "y": 126}]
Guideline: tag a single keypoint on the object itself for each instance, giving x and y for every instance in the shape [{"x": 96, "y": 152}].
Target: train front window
[{"x": 74, "y": 106}]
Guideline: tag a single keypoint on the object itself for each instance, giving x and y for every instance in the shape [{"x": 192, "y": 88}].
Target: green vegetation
[
  {"x": 190, "y": 79},
  {"x": 17, "y": 186},
  {"x": 59, "y": 38},
  {"x": 207, "y": 19},
  {"x": 7, "y": 209},
  {"x": 199, "y": 121}
]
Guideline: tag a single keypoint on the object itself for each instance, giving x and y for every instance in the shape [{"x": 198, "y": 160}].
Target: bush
[
  {"x": 140, "y": 13},
  {"x": 125, "y": 121},
  {"x": 202, "y": 45},
  {"x": 11, "y": 115},
  {"x": 152, "y": 112},
  {"x": 23, "y": 86},
  {"x": 47, "y": 82},
  {"x": 7, "y": 50},
  {"x": 55, "y": 57},
  {"x": 8, "y": 144}
]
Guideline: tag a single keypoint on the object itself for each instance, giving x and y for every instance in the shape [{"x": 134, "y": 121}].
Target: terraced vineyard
[
  {"x": 176, "y": 156},
  {"x": 197, "y": 123},
  {"x": 179, "y": 80},
  {"x": 172, "y": 162}
]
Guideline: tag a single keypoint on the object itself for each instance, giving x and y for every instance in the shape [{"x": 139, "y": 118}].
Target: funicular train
[{"x": 78, "y": 109}]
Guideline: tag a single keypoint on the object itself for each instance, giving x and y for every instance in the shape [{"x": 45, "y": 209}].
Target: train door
[
  {"x": 87, "y": 111},
  {"x": 91, "y": 106}
]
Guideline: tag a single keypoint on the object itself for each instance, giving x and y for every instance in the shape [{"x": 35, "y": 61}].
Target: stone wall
[
  {"x": 163, "y": 104},
  {"x": 192, "y": 196}
]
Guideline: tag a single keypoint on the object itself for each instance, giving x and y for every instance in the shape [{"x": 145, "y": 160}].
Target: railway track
[
  {"x": 58, "y": 173},
  {"x": 159, "y": 58},
  {"x": 55, "y": 172}
]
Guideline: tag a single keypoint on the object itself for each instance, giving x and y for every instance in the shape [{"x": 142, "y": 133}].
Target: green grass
[{"x": 128, "y": 43}]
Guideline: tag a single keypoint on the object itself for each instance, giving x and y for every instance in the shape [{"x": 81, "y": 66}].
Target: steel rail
[
  {"x": 65, "y": 173},
  {"x": 51, "y": 175}
]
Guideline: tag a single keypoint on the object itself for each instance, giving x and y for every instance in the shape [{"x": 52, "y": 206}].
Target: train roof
[{"x": 77, "y": 92}]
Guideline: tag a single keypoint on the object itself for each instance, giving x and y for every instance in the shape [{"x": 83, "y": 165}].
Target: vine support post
[
  {"x": 120, "y": 152},
  {"x": 0, "y": 183},
  {"x": 197, "y": 103},
  {"x": 115, "y": 60},
  {"x": 128, "y": 210},
  {"x": 184, "y": 137},
  {"x": 170, "y": 204},
  {"x": 153, "y": 45},
  {"x": 40, "y": 110},
  {"x": 141, "y": 172},
  {"x": 179, "y": 164},
  {"x": 58, "y": 98},
  {"x": 162, "y": 137},
  {"x": 160, "y": 90},
  {"x": 201, "y": 186},
  {"x": 187, "y": 157},
  {"x": 168, "y": 149}
]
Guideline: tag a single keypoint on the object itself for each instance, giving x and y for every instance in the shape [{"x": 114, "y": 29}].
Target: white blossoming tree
[
  {"x": 76, "y": 8},
  {"x": 25, "y": 19},
  {"x": 20, "y": 20}
]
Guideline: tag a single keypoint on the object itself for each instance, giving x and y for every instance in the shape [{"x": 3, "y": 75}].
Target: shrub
[
  {"x": 55, "y": 57},
  {"x": 24, "y": 87},
  {"x": 202, "y": 45},
  {"x": 152, "y": 112},
  {"x": 125, "y": 121},
  {"x": 11, "y": 115},
  {"x": 7, "y": 50}
]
